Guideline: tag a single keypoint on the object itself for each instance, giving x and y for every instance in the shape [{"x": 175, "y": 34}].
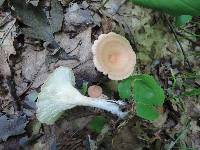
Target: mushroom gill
[{"x": 114, "y": 56}]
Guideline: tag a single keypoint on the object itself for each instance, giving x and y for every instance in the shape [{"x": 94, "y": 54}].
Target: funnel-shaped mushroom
[
  {"x": 58, "y": 94},
  {"x": 113, "y": 55}
]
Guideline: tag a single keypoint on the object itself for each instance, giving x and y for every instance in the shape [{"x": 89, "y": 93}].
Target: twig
[
  {"x": 6, "y": 34},
  {"x": 181, "y": 47},
  {"x": 122, "y": 3},
  {"x": 82, "y": 63},
  {"x": 183, "y": 132}
]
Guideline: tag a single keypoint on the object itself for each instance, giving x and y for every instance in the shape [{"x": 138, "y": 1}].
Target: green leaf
[
  {"x": 174, "y": 7},
  {"x": 146, "y": 111},
  {"x": 125, "y": 89},
  {"x": 147, "y": 91},
  {"x": 84, "y": 88},
  {"x": 194, "y": 92},
  {"x": 36, "y": 125},
  {"x": 182, "y": 20},
  {"x": 97, "y": 124}
]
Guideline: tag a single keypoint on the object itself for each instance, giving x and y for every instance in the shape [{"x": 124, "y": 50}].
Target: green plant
[
  {"x": 193, "y": 92},
  {"x": 146, "y": 92},
  {"x": 183, "y": 10},
  {"x": 97, "y": 124},
  {"x": 175, "y": 7},
  {"x": 182, "y": 20},
  {"x": 84, "y": 88}
]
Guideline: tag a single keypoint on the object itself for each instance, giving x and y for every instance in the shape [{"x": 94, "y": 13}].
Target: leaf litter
[
  {"x": 12, "y": 126},
  {"x": 39, "y": 26},
  {"x": 6, "y": 49},
  {"x": 81, "y": 23}
]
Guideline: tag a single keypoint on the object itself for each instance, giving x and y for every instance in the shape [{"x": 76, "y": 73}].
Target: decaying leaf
[
  {"x": 81, "y": 47},
  {"x": 6, "y": 46},
  {"x": 72, "y": 126},
  {"x": 127, "y": 137},
  {"x": 78, "y": 16},
  {"x": 47, "y": 141},
  {"x": 33, "y": 69},
  {"x": 113, "y": 6},
  {"x": 64, "y": 2},
  {"x": 34, "y": 2},
  {"x": 6, "y": 49},
  {"x": 33, "y": 65},
  {"x": 39, "y": 26},
  {"x": 6, "y": 99},
  {"x": 12, "y": 126},
  {"x": 5, "y": 17},
  {"x": 56, "y": 14},
  {"x": 1, "y": 2}
]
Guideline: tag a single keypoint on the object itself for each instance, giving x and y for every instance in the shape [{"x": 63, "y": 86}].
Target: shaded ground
[{"x": 170, "y": 54}]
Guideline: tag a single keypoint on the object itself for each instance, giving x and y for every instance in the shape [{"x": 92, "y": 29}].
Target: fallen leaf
[
  {"x": 34, "y": 2},
  {"x": 6, "y": 99},
  {"x": 12, "y": 126},
  {"x": 158, "y": 123},
  {"x": 56, "y": 14},
  {"x": 47, "y": 141},
  {"x": 39, "y": 26},
  {"x": 113, "y": 6},
  {"x": 6, "y": 47},
  {"x": 33, "y": 65},
  {"x": 1, "y": 2},
  {"x": 78, "y": 17},
  {"x": 31, "y": 69},
  {"x": 64, "y": 2},
  {"x": 127, "y": 137},
  {"x": 84, "y": 69}
]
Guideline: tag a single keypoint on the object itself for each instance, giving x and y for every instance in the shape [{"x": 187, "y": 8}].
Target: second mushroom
[{"x": 114, "y": 56}]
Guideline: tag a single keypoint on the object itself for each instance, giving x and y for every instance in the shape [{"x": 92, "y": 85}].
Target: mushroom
[
  {"x": 59, "y": 94},
  {"x": 114, "y": 56},
  {"x": 95, "y": 91}
]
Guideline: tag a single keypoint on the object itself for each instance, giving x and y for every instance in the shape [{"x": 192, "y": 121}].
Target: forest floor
[{"x": 170, "y": 54}]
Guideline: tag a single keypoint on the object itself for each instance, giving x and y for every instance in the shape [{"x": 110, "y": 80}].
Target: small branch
[
  {"x": 6, "y": 34},
  {"x": 181, "y": 47}
]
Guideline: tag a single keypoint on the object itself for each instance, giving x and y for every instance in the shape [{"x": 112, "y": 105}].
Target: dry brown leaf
[
  {"x": 81, "y": 47},
  {"x": 64, "y": 2},
  {"x": 33, "y": 66},
  {"x": 78, "y": 17},
  {"x": 6, "y": 47},
  {"x": 34, "y": 2},
  {"x": 33, "y": 69},
  {"x": 113, "y": 6}
]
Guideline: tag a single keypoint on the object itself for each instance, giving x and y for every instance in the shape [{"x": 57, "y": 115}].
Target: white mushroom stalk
[{"x": 59, "y": 94}]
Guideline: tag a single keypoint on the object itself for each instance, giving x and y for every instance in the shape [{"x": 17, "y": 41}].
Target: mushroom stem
[
  {"x": 59, "y": 94},
  {"x": 108, "y": 105}
]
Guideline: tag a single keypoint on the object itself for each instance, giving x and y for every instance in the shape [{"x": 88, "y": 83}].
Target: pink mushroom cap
[
  {"x": 95, "y": 91},
  {"x": 114, "y": 56}
]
